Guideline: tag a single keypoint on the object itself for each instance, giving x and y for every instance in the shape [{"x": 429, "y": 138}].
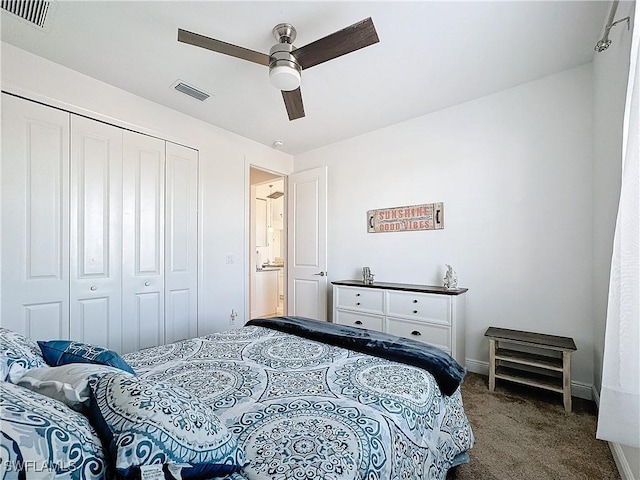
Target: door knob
[{"x": 322, "y": 274}]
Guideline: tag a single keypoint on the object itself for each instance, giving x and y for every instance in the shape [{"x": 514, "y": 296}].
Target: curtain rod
[{"x": 604, "y": 42}]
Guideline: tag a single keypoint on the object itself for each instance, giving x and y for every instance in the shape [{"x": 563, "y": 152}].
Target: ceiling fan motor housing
[{"x": 284, "y": 69}]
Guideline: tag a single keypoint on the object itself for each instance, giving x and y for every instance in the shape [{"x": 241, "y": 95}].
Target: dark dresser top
[{"x": 405, "y": 287}]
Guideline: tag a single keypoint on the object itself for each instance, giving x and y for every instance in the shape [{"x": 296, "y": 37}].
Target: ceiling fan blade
[
  {"x": 357, "y": 36},
  {"x": 201, "y": 41},
  {"x": 293, "y": 102}
]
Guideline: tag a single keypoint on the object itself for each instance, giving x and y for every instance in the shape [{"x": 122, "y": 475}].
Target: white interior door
[
  {"x": 35, "y": 219},
  {"x": 181, "y": 243},
  {"x": 96, "y": 231},
  {"x": 142, "y": 241},
  {"x": 307, "y": 244}
]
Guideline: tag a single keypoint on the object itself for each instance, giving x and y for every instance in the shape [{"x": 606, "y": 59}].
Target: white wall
[
  {"x": 514, "y": 170},
  {"x": 224, "y": 159},
  {"x": 610, "y": 75}
]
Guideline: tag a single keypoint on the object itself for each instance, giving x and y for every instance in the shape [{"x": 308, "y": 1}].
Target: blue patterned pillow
[
  {"x": 16, "y": 350},
  {"x": 46, "y": 439},
  {"x": 63, "y": 352},
  {"x": 149, "y": 424}
]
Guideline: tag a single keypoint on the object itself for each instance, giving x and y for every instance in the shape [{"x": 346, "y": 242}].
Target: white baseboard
[
  {"x": 578, "y": 389},
  {"x": 476, "y": 366},
  {"x": 621, "y": 462},
  {"x": 582, "y": 390}
]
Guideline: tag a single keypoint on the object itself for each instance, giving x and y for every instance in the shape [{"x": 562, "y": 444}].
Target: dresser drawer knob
[
  {"x": 357, "y": 303},
  {"x": 357, "y": 294},
  {"x": 416, "y": 333},
  {"x": 415, "y": 301},
  {"x": 415, "y": 311},
  {"x": 358, "y": 322}
]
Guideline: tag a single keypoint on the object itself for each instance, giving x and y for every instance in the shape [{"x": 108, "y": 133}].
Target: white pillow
[
  {"x": 66, "y": 383},
  {"x": 10, "y": 371}
]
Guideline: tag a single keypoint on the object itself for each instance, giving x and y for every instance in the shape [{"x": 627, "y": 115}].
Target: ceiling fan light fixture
[{"x": 284, "y": 77}]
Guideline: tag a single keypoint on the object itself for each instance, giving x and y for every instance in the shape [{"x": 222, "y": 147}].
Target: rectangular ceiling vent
[
  {"x": 191, "y": 91},
  {"x": 33, "y": 11}
]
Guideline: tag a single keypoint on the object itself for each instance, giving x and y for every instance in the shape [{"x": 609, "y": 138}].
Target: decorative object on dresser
[
  {"x": 450, "y": 278},
  {"x": 430, "y": 314},
  {"x": 367, "y": 276},
  {"x": 537, "y": 368},
  {"x": 428, "y": 216}
]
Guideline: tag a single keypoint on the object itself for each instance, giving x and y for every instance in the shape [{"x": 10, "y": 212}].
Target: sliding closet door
[
  {"x": 142, "y": 241},
  {"x": 96, "y": 231},
  {"x": 35, "y": 219},
  {"x": 181, "y": 245}
]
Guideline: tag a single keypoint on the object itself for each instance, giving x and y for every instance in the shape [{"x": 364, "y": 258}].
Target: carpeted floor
[{"x": 523, "y": 433}]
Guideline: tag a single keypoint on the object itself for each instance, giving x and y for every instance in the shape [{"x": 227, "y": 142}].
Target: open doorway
[{"x": 268, "y": 244}]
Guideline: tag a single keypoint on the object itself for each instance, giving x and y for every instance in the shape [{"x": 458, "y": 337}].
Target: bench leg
[
  {"x": 492, "y": 364},
  {"x": 566, "y": 381}
]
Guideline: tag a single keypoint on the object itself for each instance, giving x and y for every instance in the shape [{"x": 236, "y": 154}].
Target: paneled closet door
[
  {"x": 142, "y": 241},
  {"x": 35, "y": 219},
  {"x": 181, "y": 243},
  {"x": 96, "y": 231}
]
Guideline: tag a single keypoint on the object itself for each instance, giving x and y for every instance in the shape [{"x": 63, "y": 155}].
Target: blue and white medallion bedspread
[{"x": 306, "y": 410}]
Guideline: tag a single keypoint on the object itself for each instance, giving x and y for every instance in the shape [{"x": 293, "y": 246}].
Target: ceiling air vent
[
  {"x": 33, "y": 11},
  {"x": 191, "y": 91}
]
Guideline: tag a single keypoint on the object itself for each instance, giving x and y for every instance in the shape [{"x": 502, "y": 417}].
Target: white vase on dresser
[{"x": 430, "y": 314}]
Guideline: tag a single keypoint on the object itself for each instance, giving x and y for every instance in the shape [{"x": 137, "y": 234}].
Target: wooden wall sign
[{"x": 429, "y": 216}]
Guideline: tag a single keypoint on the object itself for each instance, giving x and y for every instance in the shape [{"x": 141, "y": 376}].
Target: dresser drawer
[
  {"x": 419, "y": 306},
  {"x": 365, "y": 299},
  {"x": 354, "y": 319},
  {"x": 434, "y": 334}
]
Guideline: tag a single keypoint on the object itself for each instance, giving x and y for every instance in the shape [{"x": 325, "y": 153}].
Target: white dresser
[{"x": 429, "y": 314}]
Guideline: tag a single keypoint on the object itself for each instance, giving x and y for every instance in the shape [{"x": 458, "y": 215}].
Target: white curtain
[{"x": 619, "y": 415}]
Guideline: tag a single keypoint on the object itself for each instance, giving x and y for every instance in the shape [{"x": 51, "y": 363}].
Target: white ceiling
[{"x": 431, "y": 55}]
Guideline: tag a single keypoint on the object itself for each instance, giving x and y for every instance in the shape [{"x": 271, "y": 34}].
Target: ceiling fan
[{"x": 286, "y": 62}]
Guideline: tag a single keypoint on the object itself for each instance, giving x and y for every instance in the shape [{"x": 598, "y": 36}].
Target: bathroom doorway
[{"x": 268, "y": 244}]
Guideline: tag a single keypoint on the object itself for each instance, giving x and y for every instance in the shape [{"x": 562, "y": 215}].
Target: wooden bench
[{"x": 549, "y": 371}]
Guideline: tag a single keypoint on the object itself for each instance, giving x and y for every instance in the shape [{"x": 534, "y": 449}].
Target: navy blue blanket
[{"x": 447, "y": 372}]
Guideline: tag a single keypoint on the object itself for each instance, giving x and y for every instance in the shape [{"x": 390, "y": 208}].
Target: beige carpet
[{"x": 523, "y": 433}]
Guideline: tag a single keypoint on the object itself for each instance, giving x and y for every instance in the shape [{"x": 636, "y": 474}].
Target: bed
[{"x": 291, "y": 398}]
